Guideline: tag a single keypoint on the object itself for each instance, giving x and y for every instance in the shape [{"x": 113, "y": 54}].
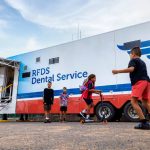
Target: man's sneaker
[
  {"x": 82, "y": 114},
  {"x": 47, "y": 121},
  {"x": 143, "y": 126}
]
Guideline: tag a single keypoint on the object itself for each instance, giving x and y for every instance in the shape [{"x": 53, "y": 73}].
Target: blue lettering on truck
[
  {"x": 74, "y": 75},
  {"x": 41, "y": 71},
  {"x": 44, "y": 75}
]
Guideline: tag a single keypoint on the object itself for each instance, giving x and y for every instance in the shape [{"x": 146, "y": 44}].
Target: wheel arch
[
  {"x": 128, "y": 101},
  {"x": 122, "y": 107}
]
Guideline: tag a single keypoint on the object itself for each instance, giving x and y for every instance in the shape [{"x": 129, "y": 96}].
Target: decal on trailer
[
  {"x": 44, "y": 75},
  {"x": 144, "y": 45}
]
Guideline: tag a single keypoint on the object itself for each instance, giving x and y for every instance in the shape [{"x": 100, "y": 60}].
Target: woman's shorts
[{"x": 88, "y": 101}]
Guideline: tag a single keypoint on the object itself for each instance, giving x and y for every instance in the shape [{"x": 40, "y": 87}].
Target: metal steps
[{"x": 4, "y": 102}]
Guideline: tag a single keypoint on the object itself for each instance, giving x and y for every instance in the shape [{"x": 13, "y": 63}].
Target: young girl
[
  {"x": 63, "y": 104},
  {"x": 87, "y": 95}
]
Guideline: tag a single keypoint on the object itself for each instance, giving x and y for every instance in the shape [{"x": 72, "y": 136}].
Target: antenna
[{"x": 78, "y": 32}]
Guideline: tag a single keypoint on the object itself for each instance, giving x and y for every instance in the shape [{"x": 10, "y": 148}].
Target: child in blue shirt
[{"x": 63, "y": 104}]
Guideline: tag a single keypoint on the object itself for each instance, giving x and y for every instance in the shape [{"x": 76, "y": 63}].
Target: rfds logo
[{"x": 144, "y": 45}]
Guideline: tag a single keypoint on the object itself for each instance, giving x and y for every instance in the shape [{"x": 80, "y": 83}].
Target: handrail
[{"x": 5, "y": 88}]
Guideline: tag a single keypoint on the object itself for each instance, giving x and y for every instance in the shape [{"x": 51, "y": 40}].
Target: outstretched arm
[
  {"x": 93, "y": 90},
  {"x": 127, "y": 70}
]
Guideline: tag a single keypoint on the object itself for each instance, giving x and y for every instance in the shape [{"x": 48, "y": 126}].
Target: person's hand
[
  {"x": 115, "y": 71},
  {"x": 71, "y": 94},
  {"x": 99, "y": 91}
]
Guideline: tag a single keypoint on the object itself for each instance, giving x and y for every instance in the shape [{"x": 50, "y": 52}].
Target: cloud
[
  {"x": 52, "y": 14},
  {"x": 3, "y": 26},
  {"x": 32, "y": 44},
  {"x": 3, "y": 23},
  {"x": 24, "y": 46},
  {"x": 1, "y": 8},
  {"x": 93, "y": 15},
  {"x": 60, "y": 18}
]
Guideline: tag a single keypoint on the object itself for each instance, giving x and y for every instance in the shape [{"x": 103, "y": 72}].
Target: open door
[{"x": 9, "y": 72}]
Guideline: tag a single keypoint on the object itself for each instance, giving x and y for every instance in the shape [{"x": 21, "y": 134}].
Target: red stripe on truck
[{"x": 75, "y": 104}]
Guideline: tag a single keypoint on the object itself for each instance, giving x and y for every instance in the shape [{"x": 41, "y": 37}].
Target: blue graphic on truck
[{"x": 144, "y": 45}]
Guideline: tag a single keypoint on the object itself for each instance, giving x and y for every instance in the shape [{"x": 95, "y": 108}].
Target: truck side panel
[{"x": 98, "y": 54}]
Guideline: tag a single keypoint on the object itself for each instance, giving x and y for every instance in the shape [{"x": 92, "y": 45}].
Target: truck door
[{"x": 9, "y": 72}]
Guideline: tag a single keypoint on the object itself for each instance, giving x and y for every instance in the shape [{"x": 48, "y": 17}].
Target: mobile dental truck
[{"x": 24, "y": 77}]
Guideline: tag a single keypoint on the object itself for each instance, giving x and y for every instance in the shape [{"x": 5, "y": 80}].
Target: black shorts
[
  {"x": 88, "y": 101},
  {"x": 47, "y": 107},
  {"x": 63, "y": 108}
]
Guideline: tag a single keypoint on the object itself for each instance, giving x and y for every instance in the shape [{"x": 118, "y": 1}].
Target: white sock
[
  {"x": 84, "y": 111},
  {"x": 87, "y": 116},
  {"x": 47, "y": 117}
]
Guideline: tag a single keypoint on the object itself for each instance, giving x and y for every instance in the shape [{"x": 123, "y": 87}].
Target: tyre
[
  {"x": 130, "y": 114},
  {"x": 107, "y": 109}
]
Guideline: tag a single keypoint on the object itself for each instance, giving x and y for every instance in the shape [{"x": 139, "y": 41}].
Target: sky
[{"x": 27, "y": 25}]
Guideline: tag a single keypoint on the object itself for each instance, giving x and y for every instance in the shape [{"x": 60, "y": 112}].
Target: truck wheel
[
  {"x": 107, "y": 109},
  {"x": 130, "y": 114}
]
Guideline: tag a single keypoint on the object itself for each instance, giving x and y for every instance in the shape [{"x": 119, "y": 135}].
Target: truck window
[
  {"x": 54, "y": 60},
  {"x": 38, "y": 59}
]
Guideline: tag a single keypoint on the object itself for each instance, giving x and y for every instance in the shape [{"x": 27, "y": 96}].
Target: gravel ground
[{"x": 72, "y": 136}]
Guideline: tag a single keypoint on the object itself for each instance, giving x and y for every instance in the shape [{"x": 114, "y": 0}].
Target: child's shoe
[
  {"x": 148, "y": 117},
  {"x": 143, "y": 126},
  {"x": 82, "y": 114},
  {"x": 47, "y": 121},
  {"x": 89, "y": 120}
]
